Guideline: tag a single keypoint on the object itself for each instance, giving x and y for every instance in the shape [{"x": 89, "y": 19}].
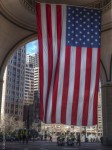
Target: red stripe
[
  {"x": 76, "y": 86},
  {"x": 95, "y": 103},
  {"x": 87, "y": 86},
  {"x": 56, "y": 77},
  {"x": 65, "y": 85},
  {"x": 50, "y": 52},
  {"x": 41, "y": 70}
]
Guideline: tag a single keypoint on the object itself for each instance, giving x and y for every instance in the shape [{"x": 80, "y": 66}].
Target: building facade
[
  {"x": 14, "y": 85},
  {"x": 31, "y": 101},
  {"x": 29, "y": 84}
]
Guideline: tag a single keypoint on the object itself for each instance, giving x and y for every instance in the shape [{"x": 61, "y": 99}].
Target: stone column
[
  {"x": 1, "y": 86},
  {"x": 107, "y": 113}
]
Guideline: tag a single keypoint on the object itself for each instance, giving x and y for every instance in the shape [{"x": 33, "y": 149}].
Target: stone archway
[{"x": 18, "y": 26}]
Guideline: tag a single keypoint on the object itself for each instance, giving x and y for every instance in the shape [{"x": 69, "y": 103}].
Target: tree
[{"x": 10, "y": 123}]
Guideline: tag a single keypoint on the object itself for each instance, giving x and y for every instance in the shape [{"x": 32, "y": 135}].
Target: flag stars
[
  {"x": 77, "y": 15},
  {"x": 80, "y": 39},
  {"x": 88, "y": 19},
  {"x": 82, "y": 27},
  {"x": 84, "y": 36},
  {"x": 76, "y": 42}
]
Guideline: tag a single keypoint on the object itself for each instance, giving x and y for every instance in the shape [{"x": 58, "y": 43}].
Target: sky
[{"x": 32, "y": 47}]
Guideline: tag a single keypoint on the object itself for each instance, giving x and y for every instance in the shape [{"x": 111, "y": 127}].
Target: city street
[{"x": 45, "y": 145}]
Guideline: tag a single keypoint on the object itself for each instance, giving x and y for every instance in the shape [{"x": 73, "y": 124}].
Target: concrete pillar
[
  {"x": 107, "y": 113},
  {"x": 1, "y": 86}
]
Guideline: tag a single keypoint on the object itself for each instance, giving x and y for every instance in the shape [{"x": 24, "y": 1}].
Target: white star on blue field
[{"x": 32, "y": 47}]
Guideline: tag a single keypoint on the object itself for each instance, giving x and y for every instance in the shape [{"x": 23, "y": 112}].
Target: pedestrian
[
  {"x": 24, "y": 137},
  {"x": 20, "y": 135},
  {"x": 101, "y": 139},
  {"x": 50, "y": 138},
  {"x": 78, "y": 140}
]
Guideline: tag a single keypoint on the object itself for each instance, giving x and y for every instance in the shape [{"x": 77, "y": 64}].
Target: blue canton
[{"x": 83, "y": 27}]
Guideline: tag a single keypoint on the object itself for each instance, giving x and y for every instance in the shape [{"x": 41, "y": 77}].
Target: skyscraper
[
  {"x": 14, "y": 85},
  {"x": 32, "y": 59},
  {"x": 29, "y": 84}
]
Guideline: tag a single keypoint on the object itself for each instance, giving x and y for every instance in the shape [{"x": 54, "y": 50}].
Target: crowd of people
[{"x": 24, "y": 136}]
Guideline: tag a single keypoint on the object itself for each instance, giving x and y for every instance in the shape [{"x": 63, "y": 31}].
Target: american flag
[{"x": 69, "y": 60}]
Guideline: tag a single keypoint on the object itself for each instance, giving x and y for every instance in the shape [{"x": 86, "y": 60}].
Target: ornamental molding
[
  {"x": 107, "y": 7},
  {"x": 13, "y": 19},
  {"x": 28, "y": 6},
  {"x": 100, "y": 4}
]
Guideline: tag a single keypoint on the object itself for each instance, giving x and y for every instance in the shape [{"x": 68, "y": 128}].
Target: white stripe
[
  {"x": 71, "y": 85},
  {"x": 92, "y": 85},
  {"x": 81, "y": 86},
  {"x": 45, "y": 54},
  {"x": 54, "y": 40},
  {"x": 62, "y": 64}
]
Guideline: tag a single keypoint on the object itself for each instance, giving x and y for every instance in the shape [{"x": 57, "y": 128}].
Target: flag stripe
[
  {"x": 55, "y": 53},
  {"x": 55, "y": 86},
  {"x": 92, "y": 86},
  {"x": 40, "y": 59},
  {"x": 50, "y": 52},
  {"x": 87, "y": 86},
  {"x": 71, "y": 85},
  {"x": 62, "y": 64},
  {"x": 95, "y": 104},
  {"x": 45, "y": 56},
  {"x": 81, "y": 86},
  {"x": 65, "y": 85},
  {"x": 76, "y": 86}
]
